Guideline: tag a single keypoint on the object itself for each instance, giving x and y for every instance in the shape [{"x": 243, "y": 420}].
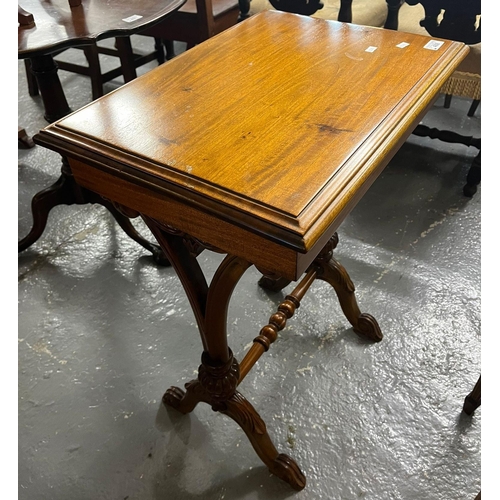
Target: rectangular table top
[{"x": 277, "y": 126}]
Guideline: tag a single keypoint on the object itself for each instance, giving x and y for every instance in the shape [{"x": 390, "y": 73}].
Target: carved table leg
[
  {"x": 279, "y": 464},
  {"x": 331, "y": 271},
  {"x": 219, "y": 372},
  {"x": 207, "y": 389},
  {"x": 65, "y": 191},
  {"x": 335, "y": 274}
]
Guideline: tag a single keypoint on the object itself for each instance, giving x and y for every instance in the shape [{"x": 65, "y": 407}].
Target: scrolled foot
[
  {"x": 368, "y": 327},
  {"x": 185, "y": 401},
  {"x": 287, "y": 469},
  {"x": 363, "y": 324},
  {"x": 273, "y": 283},
  {"x": 159, "y": 257},
  {"x": 173, "y": 397}
]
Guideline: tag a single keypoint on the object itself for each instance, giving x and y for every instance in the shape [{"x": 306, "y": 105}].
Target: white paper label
[
  {"x": 402, "y": 45},
  {"x": 371, "y": 49},
  {"x": 131, "y": 19},
  {"x": 433, "y": 45}
]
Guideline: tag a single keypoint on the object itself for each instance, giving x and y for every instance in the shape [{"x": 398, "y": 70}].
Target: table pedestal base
[
  {"x": 65, "y": 191},
  {"x": 220, "y": 373}
]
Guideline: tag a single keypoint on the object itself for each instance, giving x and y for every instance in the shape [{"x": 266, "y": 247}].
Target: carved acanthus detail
[{"x": 219, "y": 379}]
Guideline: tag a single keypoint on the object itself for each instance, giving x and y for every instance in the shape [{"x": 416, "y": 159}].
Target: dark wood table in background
[
  {"x": 58, "y": 25},
  {"x": 257, "y": 144}
]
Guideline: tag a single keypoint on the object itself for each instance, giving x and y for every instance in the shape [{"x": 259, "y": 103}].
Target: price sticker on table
[
  {"x": 433, "y": 45},
  {"x": 133, "y": 18}
]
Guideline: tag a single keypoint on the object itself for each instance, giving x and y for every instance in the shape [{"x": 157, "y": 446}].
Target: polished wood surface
[
  {"x": 273, "y": 129},
  {"x": 58, "y": 25},
  {"x": 256, "y": 144}
]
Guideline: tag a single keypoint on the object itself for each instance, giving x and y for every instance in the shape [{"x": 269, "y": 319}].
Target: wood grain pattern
[{"x": 276, "y": 126}]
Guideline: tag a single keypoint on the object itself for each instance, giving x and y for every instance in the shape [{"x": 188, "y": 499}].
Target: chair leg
[
  {"x": 392, "y": 19},
  {"x": 473, "y": 400},
  {"x": 30, "y": 77},
  {"x": 160, "y": 50},
  {"x": 447, "y": 101},
  {"x": 44, "y": 69},
  {"x": 473, "y": 107},
  {"x": 92, "y": 55},
  {"x": 473, "y": 177},
  {"x": 169, "y": 47},
  {"x": 126, "y": 55},
  {"x": 244, "y": 9},
  {"x": 24, "y": 141}
]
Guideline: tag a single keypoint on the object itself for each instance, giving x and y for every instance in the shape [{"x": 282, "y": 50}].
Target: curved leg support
[
  {"x": 219, "y": 372},
  {"x": 65, "y": 191},
  {"x": 59, "y": 193},
  {"x": 127, "y": 226},
  {"x": 279, "y": 464},
  {"x": 335, "y": 274}
]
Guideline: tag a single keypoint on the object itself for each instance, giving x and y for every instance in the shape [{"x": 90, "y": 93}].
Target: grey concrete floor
[{"x": 103, "y": 331}]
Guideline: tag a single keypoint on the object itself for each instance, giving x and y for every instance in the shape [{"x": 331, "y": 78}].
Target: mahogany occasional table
[{"x": 256, "y": 144}]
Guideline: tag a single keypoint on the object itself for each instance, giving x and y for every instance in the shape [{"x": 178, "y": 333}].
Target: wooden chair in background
[
  {"x": 196, "y": 21},
  {"x": 24, "y": 18},
  {"x": 454, "y": 20},
  {"x": 363, "y": 12},
  {"x": 129, "y": 61}
]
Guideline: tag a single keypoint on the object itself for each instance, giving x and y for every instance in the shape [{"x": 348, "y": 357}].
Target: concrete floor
[{"x": 103, "y": 331}]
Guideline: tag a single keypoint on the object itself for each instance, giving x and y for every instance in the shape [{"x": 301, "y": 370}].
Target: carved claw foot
[
  {"x": 368, "y": 327},
  {"x": 184, "y": 401},
  {"x": 287, "y": 469}
]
